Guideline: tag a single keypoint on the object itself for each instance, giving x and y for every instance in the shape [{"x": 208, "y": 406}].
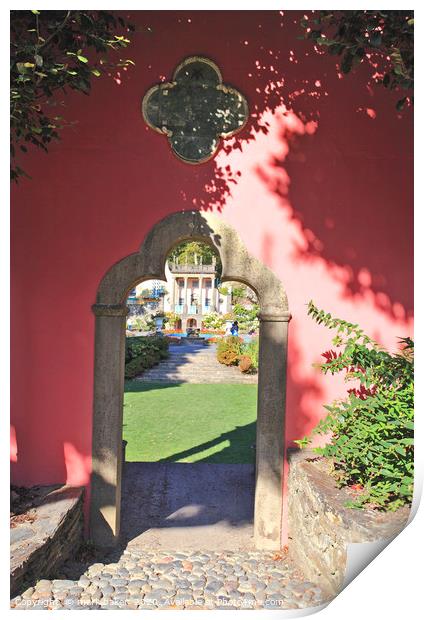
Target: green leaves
[
  {"x": 385, "y": 40},
  {"x": 372, "y": 427},
  {"x": 53, "y": 51}
]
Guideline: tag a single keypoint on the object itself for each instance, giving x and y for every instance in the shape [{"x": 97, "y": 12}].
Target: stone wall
[
  {"x": 320, "y": 526},
  {"x": 49, "y": 534}
]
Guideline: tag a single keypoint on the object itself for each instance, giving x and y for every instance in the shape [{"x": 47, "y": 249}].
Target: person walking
[{"x": 234, "y": 329}]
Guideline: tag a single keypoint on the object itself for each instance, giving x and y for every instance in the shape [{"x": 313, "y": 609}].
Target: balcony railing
[
  {"x": 177, "y": 268},
  {"x": 193, "y": 309}
]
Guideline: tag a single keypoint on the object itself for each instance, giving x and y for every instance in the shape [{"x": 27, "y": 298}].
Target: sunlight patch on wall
[
  {"x": 77, "y": 465},
  {"x": 13, "y": 445},
  {"x": 260, "y": 209}
]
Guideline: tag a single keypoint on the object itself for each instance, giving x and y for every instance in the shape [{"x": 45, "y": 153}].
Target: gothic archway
[{"x": 110, "y": 311}]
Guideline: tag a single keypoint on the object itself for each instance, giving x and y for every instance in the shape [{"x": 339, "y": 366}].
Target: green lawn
[{"x": 190, "y": 422}]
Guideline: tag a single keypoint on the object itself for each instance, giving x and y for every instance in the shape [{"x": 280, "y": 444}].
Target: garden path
[
  {"x": 187, "y": 531},
  {"x": 194, "y": 363}
]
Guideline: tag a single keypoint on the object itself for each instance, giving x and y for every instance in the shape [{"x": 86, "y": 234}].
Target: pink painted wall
[{"x": 318, "y": 185}]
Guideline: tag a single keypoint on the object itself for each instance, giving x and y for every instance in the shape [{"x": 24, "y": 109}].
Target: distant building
[{"x": 191, "y": 292}]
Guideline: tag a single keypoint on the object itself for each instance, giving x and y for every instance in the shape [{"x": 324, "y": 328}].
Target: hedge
[{"x": 143, "y": 352}]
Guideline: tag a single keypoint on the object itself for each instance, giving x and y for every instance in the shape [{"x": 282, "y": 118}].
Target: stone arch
[
  {"x": 192, "y": 323},
  {"x": 110, "y": 311}
]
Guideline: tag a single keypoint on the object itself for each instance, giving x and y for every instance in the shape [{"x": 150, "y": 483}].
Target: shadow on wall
[
  {"x": 319, "y": 186},
  {"x": 304, "y": 392}
]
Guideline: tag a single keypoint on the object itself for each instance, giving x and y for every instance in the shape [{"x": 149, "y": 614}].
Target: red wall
[{"x": 322, "y": 194}]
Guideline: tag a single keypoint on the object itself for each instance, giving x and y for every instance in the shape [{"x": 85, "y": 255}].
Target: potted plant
[{"x": 159, "y": 318}]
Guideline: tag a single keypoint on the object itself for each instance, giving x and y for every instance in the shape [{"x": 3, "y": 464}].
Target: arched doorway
[
  {"x": 110, "y": 311},
  {"x": 191, "y": 323}
]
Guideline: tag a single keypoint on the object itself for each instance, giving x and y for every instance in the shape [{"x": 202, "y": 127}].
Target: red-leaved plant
[{"x": 371, "y": 446}]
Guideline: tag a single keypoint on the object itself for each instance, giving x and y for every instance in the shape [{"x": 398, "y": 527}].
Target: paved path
[
  {"x": 188, "y": 505},
  {"x": 179, "y": 521},
  {"x": 195, "y": 363}
]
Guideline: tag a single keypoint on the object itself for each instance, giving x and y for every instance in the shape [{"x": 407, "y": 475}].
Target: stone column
[
  {"x": 201, "y": 296},
  {"x": 270, "y": 429},
  {"x": 173, "y": 288},
  {"x": 107, "y": 423},
  {"x": 213, "y": 304},
  {"x": 185, "y": 308}
]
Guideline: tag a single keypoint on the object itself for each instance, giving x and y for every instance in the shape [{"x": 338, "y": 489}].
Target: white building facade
[{"x": 191, "y": 293}]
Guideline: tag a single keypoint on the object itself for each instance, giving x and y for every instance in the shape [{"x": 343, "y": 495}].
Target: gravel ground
[{"x": 141, "y": 579}]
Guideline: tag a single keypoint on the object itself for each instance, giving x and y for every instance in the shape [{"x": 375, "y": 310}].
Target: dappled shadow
[
  {"x": 318, "y": 183},
  {"x": 305, "y": 396}
]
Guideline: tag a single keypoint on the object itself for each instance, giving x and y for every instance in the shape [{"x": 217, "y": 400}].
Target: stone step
[
  {"x": 197, "y": 381},
  {"x": 188, "y": 364},
  {"x": 222, "y": 378},
  {"x": 178, "y": 367},
  {"x": 211, "y": 362},
  {"x": 194, "y": 364},
  {"x": 194, "y": 375}
]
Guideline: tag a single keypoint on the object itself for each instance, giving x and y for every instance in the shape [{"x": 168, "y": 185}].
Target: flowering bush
[
  {"x": 213, "y": 320},
  {"x": 213, "y": 340},
  {"x": 247, "y": 317},
  {"x": 141, "y": 323},
  {"x": 372, "y": 428}
]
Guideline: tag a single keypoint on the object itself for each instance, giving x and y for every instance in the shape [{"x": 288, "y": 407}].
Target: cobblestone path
[
  {"x": 140, "y": 579},
  {"x": 146, "y": 574}
]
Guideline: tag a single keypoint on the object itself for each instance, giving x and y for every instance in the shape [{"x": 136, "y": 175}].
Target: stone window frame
[{"x": 110, "y": 312}]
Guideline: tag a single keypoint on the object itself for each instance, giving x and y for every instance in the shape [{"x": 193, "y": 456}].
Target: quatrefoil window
[{"x": 195, "y": 110}]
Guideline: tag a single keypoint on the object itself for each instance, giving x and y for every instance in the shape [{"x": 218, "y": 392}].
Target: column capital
[
  {"x": 274, "y": 317},
  {"x": 110, "y": 309}
]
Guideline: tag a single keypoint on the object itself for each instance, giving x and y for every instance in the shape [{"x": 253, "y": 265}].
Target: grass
[{"x": 187, "y": 423}]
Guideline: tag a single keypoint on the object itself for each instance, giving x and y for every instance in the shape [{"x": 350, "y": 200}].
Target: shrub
[
  {"x": 229, "y": 343},
  {"x": 213, "y": 320},
  {"x": 252, "y": 350},
  {"x": 141, "y": 323},
  {"x": 227, "y": 357},
  {"x": 372, "y": 427},
  {"x": 245, "y": 363},
  {"x": 247, "y": 317},
  {"x": 171, "y": 318},
  {"x": 143, "y": 352}
]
